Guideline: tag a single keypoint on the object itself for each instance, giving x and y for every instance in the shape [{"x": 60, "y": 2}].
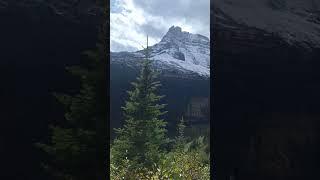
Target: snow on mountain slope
[
  {"x": 296, "y": 21},
  {"x": 178, "y": 52}
]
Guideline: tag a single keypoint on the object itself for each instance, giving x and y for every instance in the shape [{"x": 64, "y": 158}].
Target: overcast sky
[{"x": 132, "y": 20}]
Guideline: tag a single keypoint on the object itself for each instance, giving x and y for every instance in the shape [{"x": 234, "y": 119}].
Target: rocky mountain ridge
[{"x": 179, "y": 53}]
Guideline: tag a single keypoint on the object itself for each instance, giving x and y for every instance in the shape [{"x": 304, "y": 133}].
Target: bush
[
  {"x": 184, "y": 165},
  {"x": 180, "y": 163}
]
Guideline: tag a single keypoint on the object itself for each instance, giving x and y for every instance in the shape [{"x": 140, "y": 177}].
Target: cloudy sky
[{"x": 132, "y": 20}]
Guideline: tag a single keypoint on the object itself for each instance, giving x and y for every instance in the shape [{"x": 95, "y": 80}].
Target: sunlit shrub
[{"x": 174, "y": 165}]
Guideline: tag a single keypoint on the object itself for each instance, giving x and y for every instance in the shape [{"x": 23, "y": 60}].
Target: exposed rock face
[
  {"x": 179, "y": 54},
  {"x": 266, "y": 56}
]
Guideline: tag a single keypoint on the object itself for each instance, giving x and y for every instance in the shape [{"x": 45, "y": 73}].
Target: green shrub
[
  {"x": 184, "y": 165},
  {"x": 181, "y": 163}
]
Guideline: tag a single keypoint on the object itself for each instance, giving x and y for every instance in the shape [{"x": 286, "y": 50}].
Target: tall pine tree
[
  {"x": 77, "y": 147},
  {"x": 142, "y": 139}
]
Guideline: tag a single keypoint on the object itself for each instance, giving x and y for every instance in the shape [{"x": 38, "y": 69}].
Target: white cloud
[{"x": 130, "y": 23}]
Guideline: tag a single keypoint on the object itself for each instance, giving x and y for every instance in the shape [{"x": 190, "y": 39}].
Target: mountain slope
[
  {"x": 179, "y": 53},
  {"x": 296, "y": 21}
]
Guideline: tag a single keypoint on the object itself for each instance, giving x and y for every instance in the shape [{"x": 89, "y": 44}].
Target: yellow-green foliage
[
  {"x": 184, "y": 165},
  {"x": 174, "y": 165}
]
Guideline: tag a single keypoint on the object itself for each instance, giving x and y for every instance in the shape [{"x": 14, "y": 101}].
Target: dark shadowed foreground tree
[
  {"x": 142, "y": 139},
  {"x": 77, "y": 146}
]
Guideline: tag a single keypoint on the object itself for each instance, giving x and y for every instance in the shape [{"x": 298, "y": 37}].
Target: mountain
[
  {"x": 296, "y": 22},
  {"x": 179, "y": 54},
  {"x": 183, "y": 60}
]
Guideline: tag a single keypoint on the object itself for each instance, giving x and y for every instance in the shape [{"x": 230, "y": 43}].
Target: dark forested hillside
[{"x": 178, "y": 93}]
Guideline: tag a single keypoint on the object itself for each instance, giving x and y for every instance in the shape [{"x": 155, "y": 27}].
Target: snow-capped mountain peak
[
  {"x": 179, "y": 51},
  {"x": 175, "y": 34}
]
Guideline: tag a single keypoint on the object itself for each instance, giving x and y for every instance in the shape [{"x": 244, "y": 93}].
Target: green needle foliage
[
  {"x": 180, "y": 138},
  {"x": 77, "y": 145},
  {"x": 142, "y": 139}
]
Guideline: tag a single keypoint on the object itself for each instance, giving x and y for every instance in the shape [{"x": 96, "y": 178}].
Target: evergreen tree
[
  {"x": 181, "y": 139},
  {"x": 77, "y": 145},
  {"x": 142, "y": 139}
]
